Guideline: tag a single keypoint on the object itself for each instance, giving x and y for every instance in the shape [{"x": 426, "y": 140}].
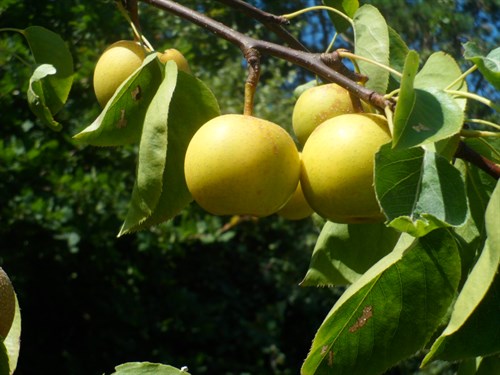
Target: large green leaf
[
  {"x": 372, "y": 41},
  {"x": 122, "y": 118},
  {"x": 344, "y": 252},
  {"x": 192, "y": 105},
  {"x": 347, "y": 7},
  {"x": 372, "y": 326},
  {"x": 398, "y": 50},
  {"x": 419, "y": 190},
  {"x": 477, "y": 308},
  {"x": 152, "y": 152},
  {"x": 488, "y": 65},
  {"x": 147, "y": 368}
]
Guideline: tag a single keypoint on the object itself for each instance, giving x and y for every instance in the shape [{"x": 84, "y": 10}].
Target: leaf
[
  {"x": 347, "y": 7},
  {"x": 344, "y": 252},
  {"x": 4, "y": 360},
  {"x": 406, "y": 97},
  {"x": 419, "y": 190},
  {"x": 488, "y": 65},
  {"x": 372, "y": 41},
  {"x": 489, "y": 147},
  {"x": 438, "y": 72},
  {"x": 13, "y": 340},
  {"x": 398, "y": 50},
  {"x": 192, "y": 105},
  {"x": 36, "y": 96},
  {"x": 489, "y": 365},
  {"x": 49, "y": 48},
  {"x": 122, "y": 118},
  {"x": 474, "y": 313},
  {"x": 372, "y": 325},
  {"x": 152, "y": 152},
  {"x": 147, "y": 368}
]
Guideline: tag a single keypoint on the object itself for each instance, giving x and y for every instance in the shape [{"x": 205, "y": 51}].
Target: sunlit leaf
[
  {"x": 152, "y": 153},
  {"x": 147, "y": 368},
  {"x": 372, "y": 41},
  {"x": 122, "y": 118},
  {"x": 489, "y": 147},
  {"x": 398, "y": 50},
  {"x": 347, "y": 7},
  {"x": 36, "y": 96},
  {"x": 488, "y": 65},
  {"x": 13, "y": 340},
  {"x": 192, "y": 105},
  {"x": 372, "y": 325},
  {"x": 419, "y": 190},
  {"x": 344, "y": 252}
]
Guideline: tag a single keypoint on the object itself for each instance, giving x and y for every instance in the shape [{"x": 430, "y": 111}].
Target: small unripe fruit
[
  {"x": 7, "y": 304},
  {"x": 241, "y": 165},
  {"x": 175, "y": 55},
  {"x": 316, "y": 105},
  {"x": 337, "y": 168},
  {"x": 297, "y": 207},
  {"x": 114, "y": 66}
]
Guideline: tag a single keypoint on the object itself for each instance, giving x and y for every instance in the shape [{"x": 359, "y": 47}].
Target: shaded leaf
[
  {"x": 36, "y": 96},
  {"x": 49, "y": 48},
  {"x": 488, "y": 65},
  {"x": 398, "y": 50},
  {"x": 122, "y": 118},
  {"x": 372, "y": 325},
  {"x": 347, "y": 7},
  {"x": 344, "y": 252},
  {"x": 192, "y": 105},
  {"x": 489, "y": 365},
  {"x": 419, "y": 190},
  {"x": 147, "y": 368},
  {"x": 152, "y": 153},
  {"x": 4, "y": 360},
  {"x": 372, "y": 41},
  {"x": 489, "y": 147}
]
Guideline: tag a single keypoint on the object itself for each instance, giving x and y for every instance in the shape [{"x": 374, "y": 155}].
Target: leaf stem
[
  {"x": 479, "y": 98},
  {"x": 478, "y": 133},
  {"x": 138, "y": 35},
  {"x": 461, "y": 77},
  {"x": 350, "y": 55},
  {"x": 483, "y": 122},
  {"x": 319, "y": 7}
]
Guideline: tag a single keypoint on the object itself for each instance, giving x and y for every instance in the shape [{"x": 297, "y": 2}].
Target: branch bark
[{"x": 311, "y": 61}]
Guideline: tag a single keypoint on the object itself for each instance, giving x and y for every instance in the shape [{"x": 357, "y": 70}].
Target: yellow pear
[
  {"x": 175, "y": 55},
  {"x": 7, "y": 304},
  {"x": 114, "y": 66},
  {"x": 337, "y": 167},
  {"x": 241, "y": 165},
  {"x": 316, "y": 105}
]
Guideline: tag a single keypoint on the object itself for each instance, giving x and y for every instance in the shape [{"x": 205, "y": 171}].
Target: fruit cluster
[
  {"x": 243, "y": 165},
  {"x": 238, "y": 164}
]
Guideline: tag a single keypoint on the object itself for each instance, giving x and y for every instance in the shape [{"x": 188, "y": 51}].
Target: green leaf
[
  {"x": 36, "y": 96},
  {"x": 49, "y": 48},
  {"x": 489, "y": 147},
  {"x": 152, "y": 153},
  {"x": 122, "y": 118},
  {"x": 344, "y": 252},
  {"x": 347, "y": 7},
  {"x": 488, "y": 65},
  {"x": 439, "y": 71},
  {"x": 147, "y": 368},
  {"x": 419, "y": 190},
  {"x": 4, "y": 360},
  {"x": 372, "y": 325},
  {"x": 489, "y": 365},
  {"x": 192, "y": 105},
  {"x": 13, "y": 340},
  {"x": 474, "y": 313},
  {"x": 372, "y": 41},
  {"x": 398, "y": 50},
  {"x": 406, "y": 97}
]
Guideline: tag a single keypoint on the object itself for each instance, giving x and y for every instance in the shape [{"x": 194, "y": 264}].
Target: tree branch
[
  {"x": 466, "y": 153},
  {"x": 310, "y": 61}
]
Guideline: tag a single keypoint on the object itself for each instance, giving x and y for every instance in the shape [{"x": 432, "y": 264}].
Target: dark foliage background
[{"x": 202, "y": 291}]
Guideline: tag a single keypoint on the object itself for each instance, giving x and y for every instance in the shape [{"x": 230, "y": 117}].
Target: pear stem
[
  {"x": 253, "y": 60},
  {"x": 319, "y": 7}
]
